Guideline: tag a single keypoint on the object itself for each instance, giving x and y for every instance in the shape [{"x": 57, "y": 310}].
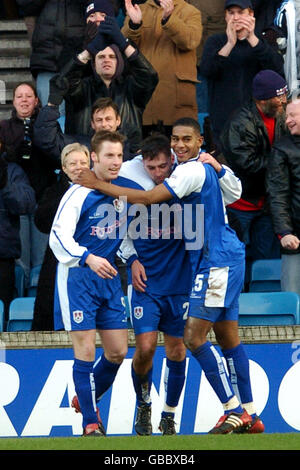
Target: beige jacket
[{"x": 171, "y": 49}]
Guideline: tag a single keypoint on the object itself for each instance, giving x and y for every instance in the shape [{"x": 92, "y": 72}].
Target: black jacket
[
  {"x": 39, "y": 168},
  {"x": 44, "y": 215},
  {"x": 265, "y": 12},
  {"x": 59, "y": 29},
  {"x": 31, "y": 7},
  {"x": 230, "y": 78},
  {"x": 131, "y": 91},
  {"x": 50, "y": 139},
  {"x": 283, "y": 186},
  {"x": 16, "y": 198},
  {"x": 246, "y": 147}
]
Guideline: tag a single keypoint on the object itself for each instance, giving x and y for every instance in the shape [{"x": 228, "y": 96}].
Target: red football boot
[
  {"x": 76, "y": 406},
  {"x": 93, "y": 430},
  {"x": 232, "y": 422}
]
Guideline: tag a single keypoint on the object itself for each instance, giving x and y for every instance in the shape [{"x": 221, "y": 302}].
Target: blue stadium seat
[
  {"x": 269, "y": 308},
  {"x": 1, "y": 316},
  {"x": 201, "y": 118},
  {"x": 33, "y": 281},
  {"x": 19, "y": 281},
  {"x": 20, "y": 314},
  {"x": 265, "y": 276}
]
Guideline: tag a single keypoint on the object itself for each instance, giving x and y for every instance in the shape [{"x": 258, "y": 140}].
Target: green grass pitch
[{"x": 286, "y": 441}]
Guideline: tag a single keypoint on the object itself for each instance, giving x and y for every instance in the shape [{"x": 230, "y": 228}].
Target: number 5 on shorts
[{"x": 198, "y": 284}]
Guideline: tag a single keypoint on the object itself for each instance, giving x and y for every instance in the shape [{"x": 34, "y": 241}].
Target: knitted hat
[
  {"x": 268, "y": 84},
  {"x": 238, "y": 3},
  {"x": 105, "y": 6}
]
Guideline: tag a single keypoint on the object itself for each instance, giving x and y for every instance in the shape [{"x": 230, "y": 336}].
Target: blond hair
[{"x": 76, "y": 147}]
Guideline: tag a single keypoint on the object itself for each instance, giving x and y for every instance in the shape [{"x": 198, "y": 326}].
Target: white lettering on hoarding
[
  {"x": 10, "y": 377},
  {"x": 47, "y": 411},
  {"x": 123, "y": 400},
  {"x": 288, "y": 396},
  {"x": 207, "y": 416}
]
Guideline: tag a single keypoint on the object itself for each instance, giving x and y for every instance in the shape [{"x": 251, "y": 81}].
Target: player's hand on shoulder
[
  {"x": 86, "y": 178},
  {"x": 205, "y": 157}
]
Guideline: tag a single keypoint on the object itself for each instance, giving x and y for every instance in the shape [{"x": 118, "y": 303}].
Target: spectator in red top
[{"x": 246, "y": 142}]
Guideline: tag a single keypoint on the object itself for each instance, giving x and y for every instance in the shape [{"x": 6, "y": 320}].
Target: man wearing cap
[
  {"x": 97, "y": 10},
  {"x": 246, "y": 143},
  {"x": 230, "y": 61},
  {"x": 94, "y": 13}
]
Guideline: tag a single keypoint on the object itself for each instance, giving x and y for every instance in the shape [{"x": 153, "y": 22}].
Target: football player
[
  {"x": 218, "y": 273},
  {"x": 85, "y": 236}
]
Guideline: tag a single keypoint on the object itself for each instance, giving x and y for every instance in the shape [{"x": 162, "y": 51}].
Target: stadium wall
[{"x": 37, "y": 387}]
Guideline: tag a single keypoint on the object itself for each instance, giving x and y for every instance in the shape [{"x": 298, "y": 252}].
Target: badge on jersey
[
  {"x": 118, "y": 205},
  {"x": 78, "y": 316},
  {"x": 138, "y": 312}
]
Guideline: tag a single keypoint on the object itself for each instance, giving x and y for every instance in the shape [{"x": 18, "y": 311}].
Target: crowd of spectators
[{"x": 137, "y": 66}]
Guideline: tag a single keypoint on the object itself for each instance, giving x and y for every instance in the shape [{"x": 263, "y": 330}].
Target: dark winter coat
[
  {"x": 38, "y": 167},
  {"x": 283, "y": 187},
  {"x": 230, "y": 78},
  {"x": 59, "y": 28},
  {"x": 246, "y": 147},
  {"x": 16, "y": 198},
  {"x": 50, "y": 139},
  {"x": 131, "y": 91},
  {"x": 44, "y": 215}
]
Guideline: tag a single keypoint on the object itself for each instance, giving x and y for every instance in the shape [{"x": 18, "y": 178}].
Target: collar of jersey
[{"x": 192, "y": 159}]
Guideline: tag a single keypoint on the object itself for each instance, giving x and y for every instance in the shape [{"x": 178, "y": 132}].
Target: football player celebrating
[
  {"x": 218, "y": 266},
  {"x": 85, "y": 236}
]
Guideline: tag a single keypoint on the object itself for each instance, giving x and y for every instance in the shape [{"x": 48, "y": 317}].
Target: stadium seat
[
  {"x": 201, "y": 119},
  {"x": 269, "y": 308},
  {"x": 33, "y": 281},
  {"x": 20, "y": 314},
  {"x": 265, "y": 276},
  {"x": 19, "y": 281},
  {"x": 1, "y": 316}
]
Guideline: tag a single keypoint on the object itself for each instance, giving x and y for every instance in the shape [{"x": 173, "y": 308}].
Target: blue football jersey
[
  {"x": 209, "y": 239},
  {"x": 88, "y": 221},
  {"x": 157, "y": 239}
]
